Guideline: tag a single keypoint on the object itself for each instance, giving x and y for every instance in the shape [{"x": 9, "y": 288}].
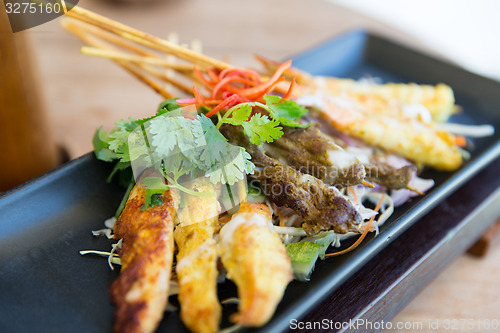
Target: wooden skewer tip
[
  {"x": 414, "y": 190},
  {"x": 370, "y": 185}
]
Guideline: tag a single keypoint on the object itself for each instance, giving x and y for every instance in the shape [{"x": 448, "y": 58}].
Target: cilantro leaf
[
  {"x": 126, "y": 125},
  {"x": 114, "y": 145},
  {"x": 225, "y": 163},
  {"x": 191, "y": 145},
  {"x": 285, "y": 111},
  {"x": 176, "y": 146},
  {"x": 239, "y": 115},
  {"x": 231, "y": 171},
  {"x": 174, "y": 140},
  {"x": 154, "y": 189},
  {"x": 212, "y": 143},
  {"x": 210, "y": 132},
  {"x": 166, "y": 106},
  {"x": 249, "y": 166},
  {"x": 100, "y": 141},
  {"x": 118, "y": 140},
  {"x": 262, "y": 129}
]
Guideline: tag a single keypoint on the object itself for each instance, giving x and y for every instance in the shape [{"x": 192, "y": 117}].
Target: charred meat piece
[
  {"x": 377, "y": 170},
  {"x": 389, "y": 176},
  {"x": 140, "y": 292},
  {"x": 312, "y": 152},
  {"x": 320, "y": 206}
]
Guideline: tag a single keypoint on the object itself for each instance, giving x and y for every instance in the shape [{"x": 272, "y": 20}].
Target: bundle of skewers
[{"x": 330, "y": 157}]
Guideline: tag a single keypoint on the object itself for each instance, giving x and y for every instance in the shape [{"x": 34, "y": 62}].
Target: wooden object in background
[
  {"x": 487, "y": 241},
  {"x": 27, "y": 147}
]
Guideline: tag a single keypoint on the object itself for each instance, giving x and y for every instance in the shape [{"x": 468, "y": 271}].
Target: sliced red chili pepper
[
  {"x": 228, "y": 101},
  {"x": 290, "y": 89}
]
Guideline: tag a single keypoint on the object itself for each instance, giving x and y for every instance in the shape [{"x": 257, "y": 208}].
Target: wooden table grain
[{"x": 83, "y": 93}]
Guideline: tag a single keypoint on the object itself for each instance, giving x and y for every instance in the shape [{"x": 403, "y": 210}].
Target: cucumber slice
[
  {"x": 304, "y": 256},
  {"x": 323, "y": 239},
  {"x": 255, "y": 194}
]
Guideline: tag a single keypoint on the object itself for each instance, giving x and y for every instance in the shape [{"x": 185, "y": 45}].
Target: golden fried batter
[
  {"x": 140, "y": 293},
  {"x": 256, "y": 260},
  {"x": 197, "y": 260}
]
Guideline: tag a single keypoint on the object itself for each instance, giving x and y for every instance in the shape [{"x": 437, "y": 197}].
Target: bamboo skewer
[
  {"x": 370, "y": 185},
  {"x": 115, "y": 55},
  {"x": 114, "y": 39},
  {"x": 166, "y": 78},
  {"x": 109, "y": 51},
  {"x": 172, "y": 37},
  {"x": 118, "y": 41},
  {"x": 145, "y": 39},
  {"x": 133, "y": 69},
  {"x": 414, "y": 190},
  {"x": 104, "y": 49}
]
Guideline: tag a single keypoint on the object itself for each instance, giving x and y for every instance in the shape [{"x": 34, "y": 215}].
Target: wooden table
[{"x": 82, "y": 93}]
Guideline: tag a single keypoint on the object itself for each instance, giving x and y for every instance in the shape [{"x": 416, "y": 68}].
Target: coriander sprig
[{"x": 260, "y": 128}]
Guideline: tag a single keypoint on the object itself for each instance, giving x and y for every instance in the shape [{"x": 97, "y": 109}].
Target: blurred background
[
  {"x": 56, "y": 97},
  {"x": 80, "y": 93},
  {"x": 463, "y": 31}
]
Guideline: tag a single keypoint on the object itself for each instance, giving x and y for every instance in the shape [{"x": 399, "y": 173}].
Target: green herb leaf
[
  {"x": 114, "y": 145},
  {"x": 229, "y": 172},
  {"x": 285, "y": 111},
  {"x": 126, "y": 124},
  {"x": 188, "y": 145},
  {"x": 154, "y": 190},
  {"x": 176, "y": 146},
  {"x": 239, "y": 115},
  {"x": 166, "y": 106},
  {"x": 101, "y": 146},
  {"x": 118, "y": 140},
  {"x": 119, "y": 166},
  {"x": 262, "y": 129}
]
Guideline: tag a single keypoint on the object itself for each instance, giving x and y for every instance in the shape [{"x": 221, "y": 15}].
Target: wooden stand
[{"x": 27, "y": 147}]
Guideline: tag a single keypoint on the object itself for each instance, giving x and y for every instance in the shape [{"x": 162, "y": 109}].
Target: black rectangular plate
[{"x": 46, "y": 286}]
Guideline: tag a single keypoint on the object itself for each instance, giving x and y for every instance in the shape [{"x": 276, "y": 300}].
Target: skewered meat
[
  {"x": 256, "y": 260},
  {"x": 390, "y": 177},
  {"x": 312, "y": 152},
  {"x": 389, "y": 98},
  {"x": 417, "y": 141},
  {"x": 197, "y": 259},
  {"x": 320, "y": 206},
  {"x": 330, "y": 159},
  {"x": 141, "y": 290}
]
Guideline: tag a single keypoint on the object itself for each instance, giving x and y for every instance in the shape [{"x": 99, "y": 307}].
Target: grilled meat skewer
[
  {"x": 256, "y": 260},
  {"x": 388, "y": 176},
  {"x": 320, "y": 206},
  {"x": 197, "y": 259},
  {"x": 312, "y": 152},
  {"x": 140, "y": 292}
]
